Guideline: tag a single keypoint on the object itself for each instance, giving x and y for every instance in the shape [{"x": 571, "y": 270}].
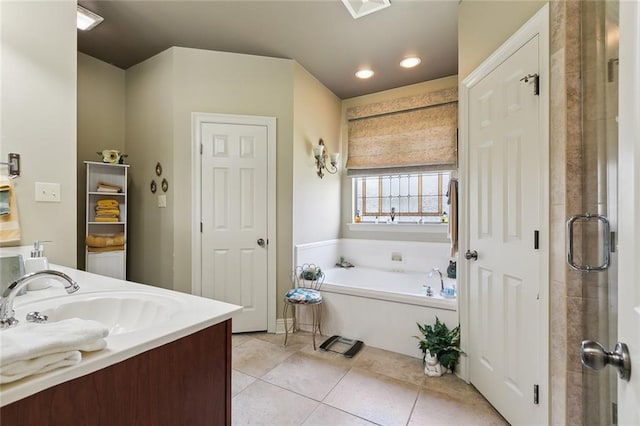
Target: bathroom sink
[{"x": 120, "y": 311}]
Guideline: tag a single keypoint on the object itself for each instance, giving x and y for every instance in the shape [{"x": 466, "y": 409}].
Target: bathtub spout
[{"x": 431, "y": 274}]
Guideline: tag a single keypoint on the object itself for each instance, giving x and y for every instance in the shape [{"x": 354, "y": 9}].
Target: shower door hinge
[
  {"x": 536, "y": 82},
  {"x": 536, "y": 240},
  {"x": 613, "y": 241},
  {"x": 536, "y": 394}
]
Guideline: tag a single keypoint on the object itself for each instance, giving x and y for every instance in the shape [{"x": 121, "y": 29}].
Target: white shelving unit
[{"x": 109, "y": 263}]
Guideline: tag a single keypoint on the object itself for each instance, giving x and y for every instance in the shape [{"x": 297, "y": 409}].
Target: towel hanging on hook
[{"x": 9, "y": 220}]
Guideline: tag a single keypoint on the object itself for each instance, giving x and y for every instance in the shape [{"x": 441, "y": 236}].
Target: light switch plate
[
  {"x": 162, "y": 201},
  {"x": 47, "y": 192}
]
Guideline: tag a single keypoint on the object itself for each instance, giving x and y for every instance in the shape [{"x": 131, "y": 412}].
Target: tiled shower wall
[
  {"x": 582, "y": 137},
  {"x": 566, "y": 302}
]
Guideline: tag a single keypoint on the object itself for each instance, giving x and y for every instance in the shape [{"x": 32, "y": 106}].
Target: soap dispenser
[{"x": 37, "y": 262}]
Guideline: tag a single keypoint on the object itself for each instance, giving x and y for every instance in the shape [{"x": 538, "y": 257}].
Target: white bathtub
[
  {"x": 401, "y": 287},
  {"x": 381, "y": 308}
]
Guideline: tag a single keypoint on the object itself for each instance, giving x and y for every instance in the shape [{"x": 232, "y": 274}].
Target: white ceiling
[{"x": 320, "y": 34}]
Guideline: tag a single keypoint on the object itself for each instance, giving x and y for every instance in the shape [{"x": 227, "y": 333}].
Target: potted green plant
[{"x": 440, "y": 347}]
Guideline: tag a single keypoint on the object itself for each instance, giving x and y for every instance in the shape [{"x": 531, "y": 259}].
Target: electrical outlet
[
  {"x": 162, "y": 201},
  {"x": 47, "y": 192}
]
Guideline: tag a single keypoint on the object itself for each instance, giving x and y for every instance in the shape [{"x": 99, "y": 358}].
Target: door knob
[
  {"x": 595, "y": 356},
  {"x": 260, "y": 242},
  {"x": 471, "y": 255}
]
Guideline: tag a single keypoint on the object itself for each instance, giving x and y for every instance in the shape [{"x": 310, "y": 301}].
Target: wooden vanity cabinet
[{"x": 185, "y": 382}]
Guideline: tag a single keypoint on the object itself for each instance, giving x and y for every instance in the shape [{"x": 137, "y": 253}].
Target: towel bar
[{"x": 14, "y": 164}]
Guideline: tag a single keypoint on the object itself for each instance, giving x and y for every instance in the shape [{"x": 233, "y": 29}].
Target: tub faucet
[
  {"x": 7, "y": 319},
  {"x": 431, "y": 273}
]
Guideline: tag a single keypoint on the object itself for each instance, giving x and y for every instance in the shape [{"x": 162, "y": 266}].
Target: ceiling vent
[{"x": 360, "y": 8}]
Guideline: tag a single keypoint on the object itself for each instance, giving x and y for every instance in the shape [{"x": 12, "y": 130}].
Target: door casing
[{"x": 197, "y": 119}]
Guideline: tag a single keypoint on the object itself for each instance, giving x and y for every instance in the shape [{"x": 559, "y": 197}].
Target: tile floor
[{"x": 296, "y": 385}]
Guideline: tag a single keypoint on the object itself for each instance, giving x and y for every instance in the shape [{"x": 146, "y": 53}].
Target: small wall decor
[
  {"x": 158, "y": 169},
  {"x": 153, "y": 186},
  {"x": 165, "y": 185}
]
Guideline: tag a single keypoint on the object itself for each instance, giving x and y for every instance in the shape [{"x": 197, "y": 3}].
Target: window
[{"x": 407, "y": 198}]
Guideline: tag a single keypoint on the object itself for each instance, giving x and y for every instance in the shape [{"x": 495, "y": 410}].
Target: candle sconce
[{"x": 321, "y": 155}]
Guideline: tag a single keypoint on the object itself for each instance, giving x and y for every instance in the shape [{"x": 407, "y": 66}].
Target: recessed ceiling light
[
  {"x": 86, "y": 19},
  {"x": 360, "y": 8},
  {"x": 364, "y": 74},
  {"x": 410, "y": 62}
]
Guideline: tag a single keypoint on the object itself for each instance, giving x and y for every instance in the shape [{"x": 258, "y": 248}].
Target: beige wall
[
  {"x": 38, "y": 116},
  {"x": 101, "y": 118},
  {"x": 149, "y": 140},
  {"x": 162, "y": 92},
  {"x": 219, "y": 82},
  {"x": 316, "y": 202},
  {"x": 346, "y": 197},
  {"x": 484, "y": 25}
]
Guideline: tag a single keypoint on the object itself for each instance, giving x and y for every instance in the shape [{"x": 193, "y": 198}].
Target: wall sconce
[{"x": 320, "y": 155}]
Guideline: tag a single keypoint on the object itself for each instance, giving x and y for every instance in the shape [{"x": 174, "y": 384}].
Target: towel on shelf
[
  {"x": 108, "y": 212},
  {"x": 108, "y": 187},
  {"x": 104, "y": 249},
  {"x": 31, "y": 345},
  {"x": 106, "y": 219},
  {"x": 105, "y": 240},
  {"x": 108, "y": 203},
  {"x": 9, "y": 222}
]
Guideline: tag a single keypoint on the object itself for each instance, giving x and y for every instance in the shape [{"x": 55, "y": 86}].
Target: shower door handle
[
  {"x": 595, "y": 356},
  {"x": 606, "y": 249}
]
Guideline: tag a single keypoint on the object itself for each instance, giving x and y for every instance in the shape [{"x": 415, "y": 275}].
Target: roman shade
[{"x": 414, "y": 134}]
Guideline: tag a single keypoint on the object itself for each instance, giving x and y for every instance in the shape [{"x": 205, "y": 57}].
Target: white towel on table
[{"x": 48, "y": 346}]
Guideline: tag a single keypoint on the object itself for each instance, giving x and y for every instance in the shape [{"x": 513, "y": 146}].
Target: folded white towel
[
  {"x": 20, "y": 369},
  {"x": 31, "y": 341}
]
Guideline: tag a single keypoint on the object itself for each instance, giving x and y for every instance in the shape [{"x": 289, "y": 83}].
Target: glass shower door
[{"x": 599, "y": 38}]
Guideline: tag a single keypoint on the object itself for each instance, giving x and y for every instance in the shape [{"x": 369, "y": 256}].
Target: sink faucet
[
  {"x": 431, "y": 273},
  {"x": 6, "y": 304}
]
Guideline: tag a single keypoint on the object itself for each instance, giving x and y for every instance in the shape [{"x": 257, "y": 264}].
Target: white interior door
[
  {"x": 629, "y": 208},
  {"x": 234, "y": 219},
  {"x": 506, "y": 187}
]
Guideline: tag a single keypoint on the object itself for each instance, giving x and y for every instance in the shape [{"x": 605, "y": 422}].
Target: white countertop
[{"x": 195, "y": 314}]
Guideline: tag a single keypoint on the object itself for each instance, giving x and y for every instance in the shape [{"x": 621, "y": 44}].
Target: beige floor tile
[
  {"x": 325, "y": 415},
  {"x": 256, "y": 357},
  {"x": 330, "y": 356},
  {"x": 238, "y": 339},
  {"x": 397, "y": 366},
  {"x": 265, "y": 404},
  {"x": 295, "y": 340},
  {"x": 454, "y": 387},
  {"x": 307, "y": 375},
  {"x": 239, "y": 381},
  {"x": 375, "y": 397},
  {"x": 437, "y": 408}
]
